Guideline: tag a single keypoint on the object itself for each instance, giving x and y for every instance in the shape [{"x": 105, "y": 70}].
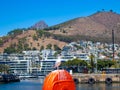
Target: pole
[
  {"x": 113, "y": 43},
  {"x": 96, "y": 58}
]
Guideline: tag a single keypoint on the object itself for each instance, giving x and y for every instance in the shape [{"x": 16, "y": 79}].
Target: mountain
[
  {"x": 39, "y": 25},
  {"x": 96, "y": 27},
  {"x": 28, "y": 40}
]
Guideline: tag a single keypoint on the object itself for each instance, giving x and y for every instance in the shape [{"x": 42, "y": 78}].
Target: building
[{"x": 22, "y": 64}]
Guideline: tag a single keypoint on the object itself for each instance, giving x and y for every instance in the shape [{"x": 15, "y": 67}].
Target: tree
[
  {"x": 92, "y": 62},
  {"x": 26, "y": 47},
  {"x": 56, "y": 48},
  {"x": 1, "y": 42},
  {"x": 75, "y": 64},
  {"x": 103, "y": 10},
  {"x": 49, "y": 46},
  {"x": 34, "y": 48},
  {"x": 111, "y": 10},
  {"x": 105, "y": 64},
  {"x": 15, "y": 32},
  {"x": 35, "y": 37},
  {"x": 40, "y": 33},
  {"x": 41, "y": 48},
  {"x": 9, "y": 50},
  {"x": 4, "y": 68}
]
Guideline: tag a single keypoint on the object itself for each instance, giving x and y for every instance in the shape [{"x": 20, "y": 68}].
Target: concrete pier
[{"x": 96, "y": 78}]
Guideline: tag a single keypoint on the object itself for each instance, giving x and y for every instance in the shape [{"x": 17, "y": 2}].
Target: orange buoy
[{"x": 59, "y": 80}]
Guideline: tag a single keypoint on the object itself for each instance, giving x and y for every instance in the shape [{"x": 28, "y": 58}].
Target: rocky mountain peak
[{"x": 39, "y": 25}]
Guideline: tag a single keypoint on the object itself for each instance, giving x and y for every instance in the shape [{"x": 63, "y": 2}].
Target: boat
[
  {"x": 6, "y": 78},
  {"x": 22, "y": 77}
]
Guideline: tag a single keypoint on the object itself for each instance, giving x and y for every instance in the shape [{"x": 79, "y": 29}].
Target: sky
[{"x": 25, "y": 13}]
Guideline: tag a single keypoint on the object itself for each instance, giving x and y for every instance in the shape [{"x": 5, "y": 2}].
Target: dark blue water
[
  {"x": 22, "y": 85},
  {"x": 37, "y": 85},
  {"x": 103, "y": 86}
]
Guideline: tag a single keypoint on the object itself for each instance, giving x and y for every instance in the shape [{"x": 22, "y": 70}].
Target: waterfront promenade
[{"x": 96, "y": 78}]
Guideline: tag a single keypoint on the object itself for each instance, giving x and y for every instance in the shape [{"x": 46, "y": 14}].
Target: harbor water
[{"x": 37, "y": 85}]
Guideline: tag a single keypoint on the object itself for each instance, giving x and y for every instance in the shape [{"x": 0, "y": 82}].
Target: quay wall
[{"x": 96, "y": 78}]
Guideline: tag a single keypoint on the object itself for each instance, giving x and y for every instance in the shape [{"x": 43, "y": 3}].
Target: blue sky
[{"x": 24, "y": 13}]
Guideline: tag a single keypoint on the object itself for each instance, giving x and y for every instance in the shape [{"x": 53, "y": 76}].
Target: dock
[{"x": 96, "y": 78}]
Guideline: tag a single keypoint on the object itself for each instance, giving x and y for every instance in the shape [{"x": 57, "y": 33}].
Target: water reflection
[
  {"x": 115, "y": 86},
  {"x": 37, "y": 85}
]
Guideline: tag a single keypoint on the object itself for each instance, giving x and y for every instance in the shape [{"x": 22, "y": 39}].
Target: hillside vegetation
[{"x": 96, "y": 27}]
